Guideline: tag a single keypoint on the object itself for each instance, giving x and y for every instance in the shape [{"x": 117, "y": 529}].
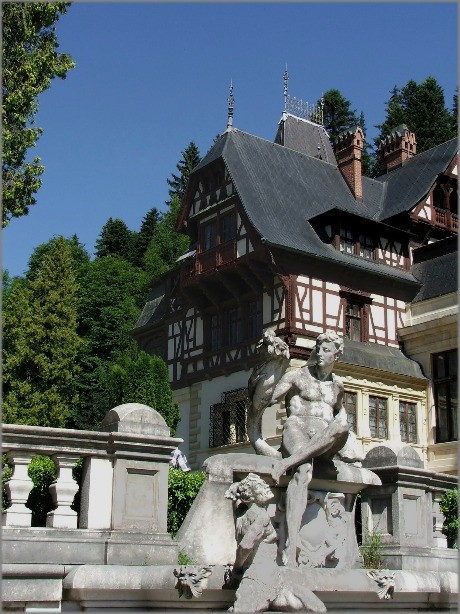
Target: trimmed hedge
[
  {"x": 183, "y": 487},
  {"x": 449, "y": 507}
]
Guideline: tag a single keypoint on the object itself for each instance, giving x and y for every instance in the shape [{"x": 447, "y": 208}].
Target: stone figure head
[
  {"x": 335, "y": 504},
  {"x": 329, "y": 347},
  {"x": 271, "y": 346},
  {"x": 250, "y": 490}
]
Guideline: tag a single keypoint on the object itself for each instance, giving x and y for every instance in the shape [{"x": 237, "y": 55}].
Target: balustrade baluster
[
  {"x": 63, "y": 491},
  {"x": 18, "y": 489}
]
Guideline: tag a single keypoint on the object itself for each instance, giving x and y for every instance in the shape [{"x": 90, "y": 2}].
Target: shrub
[
  {"x": 449, "y": 507},
  {"x": 183, "y": 487}
]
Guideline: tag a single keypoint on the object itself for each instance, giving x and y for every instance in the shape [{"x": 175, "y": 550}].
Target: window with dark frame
[
  {"x": 255, "y": 319},
  {"x": 349, "y": 402},
  {"x": 214, "y": 332},
  {"x": 378, "y": 417},
  {"x": 209, "y": 236},
  {"x": 353, "y": 321},
  {"x": 444, "y": 369},
  {"x": 366, "y": 247},
  {"x": 228, "y": 419},
  {"x": 347, "y": 244},
  {"x": 228, "y": 227},
  {"x": 408, "y": 421},
  {"x": 234, "y": 326}
]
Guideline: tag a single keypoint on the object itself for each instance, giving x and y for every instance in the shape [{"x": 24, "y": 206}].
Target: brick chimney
[
  {"x": 348, "y": 149},
  {"x": 394, "y": 149}
]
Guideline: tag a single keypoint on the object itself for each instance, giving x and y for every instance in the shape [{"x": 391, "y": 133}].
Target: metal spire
[
  {"x": 231, "y": 102},
  {"x": 285, "y": 80}
]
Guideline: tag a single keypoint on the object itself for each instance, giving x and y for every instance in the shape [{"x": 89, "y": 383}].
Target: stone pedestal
[
  {"x": 402, "y": 509},
  {"x": 208, "y": 532}
]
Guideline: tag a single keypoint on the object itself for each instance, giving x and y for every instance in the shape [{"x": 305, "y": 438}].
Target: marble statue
[
  {"x": 316, "y": 424},
  {"x": 263, "y": 585},
  {"x": 274, "y": 358}
]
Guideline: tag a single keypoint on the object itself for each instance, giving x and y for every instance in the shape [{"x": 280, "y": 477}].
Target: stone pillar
[
  {"x": 63, "y": 491},
  {"x": 96, "y": 494},
  {"x": 18, "y": 489},
  {"x": 139, "y": 496}
]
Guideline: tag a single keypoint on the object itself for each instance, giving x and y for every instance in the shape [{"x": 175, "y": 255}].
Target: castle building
[{"x": 290, "y": 235}]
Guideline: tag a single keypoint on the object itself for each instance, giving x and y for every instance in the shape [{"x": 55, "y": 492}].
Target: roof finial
[
  {"x": 231, "y": 102},
  {"x": 285, "y": 80}
]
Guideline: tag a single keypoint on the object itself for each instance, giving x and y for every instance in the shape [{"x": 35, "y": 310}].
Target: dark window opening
[
  {"x": 228, "y": 227},
  {"x": 366, "y": 247},
  {"x": 234, "y": 326},
  {"x": 209, "y": 236},
  {"x": 353, "y": 324},
  {"x": 349, "y": 402},
  {"x": 227, "y": 420},
  {"x": 347, "y": 244},
  {"x": 438, "y": 197},
  {"x": 445, "y": 395},
  {"x": 255, "y": 319},
  {"x": 408, "y": 421},
  {"x": 378, "y": 417},
  {"x": 214, "y": 332}
]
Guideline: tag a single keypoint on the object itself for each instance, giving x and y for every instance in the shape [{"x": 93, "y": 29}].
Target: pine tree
[
  {"x": 116, "y": 239},
  {"x": 41, "y": 344},
  {"x": 422, "y": 108},
  {"x": 145, "y": 235},
  {"x": 166, "y": 245},
  {"x": 338, "y": 115},
  {"x": 178, "y": 183},
  {"x": 79, "y": 255},
  {"x": 455, "y": 110}
]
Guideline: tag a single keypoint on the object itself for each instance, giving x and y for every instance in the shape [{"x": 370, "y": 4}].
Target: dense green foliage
[
  {"x": 116, "y": 240},
  {"x": 30, "y": 62},
  {"x": 183, "y": 488},
  {"x": 449, "y": 507},
  {"x": 79, "y": 255},
  {"x": 143, "y": 379},
  {"x": 145, "y": 235},
  {"x": 178, "y": 183},
  {"x": 421, "y": 106},
  {"x": 166, "y": 245},
  {"x": 41, "y": 343},
  {"x": 338, "y": 114}
]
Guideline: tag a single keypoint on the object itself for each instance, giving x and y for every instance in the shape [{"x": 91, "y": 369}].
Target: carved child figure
[{"x": 264, "y": 585}]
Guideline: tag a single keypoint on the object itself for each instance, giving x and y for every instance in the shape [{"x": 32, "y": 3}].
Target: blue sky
[{"x": 150, "y": 78}]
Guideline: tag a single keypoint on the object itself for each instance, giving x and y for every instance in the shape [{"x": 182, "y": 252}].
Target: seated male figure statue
[{"x": 316, "y": 426}]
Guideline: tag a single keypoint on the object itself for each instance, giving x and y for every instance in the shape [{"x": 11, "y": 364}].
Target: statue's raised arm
[{"x": 273, "y": 361}]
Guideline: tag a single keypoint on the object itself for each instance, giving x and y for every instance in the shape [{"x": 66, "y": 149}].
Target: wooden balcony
[
  {"x": 208, "y": 261},
  {"x": 445, "y": 219}
]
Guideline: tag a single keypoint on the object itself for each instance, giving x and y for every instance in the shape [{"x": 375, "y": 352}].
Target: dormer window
[
  {"x": 358, "y": 245},
  {"x": 347, "y": 243},
  {"x": 366, "y": 247}
]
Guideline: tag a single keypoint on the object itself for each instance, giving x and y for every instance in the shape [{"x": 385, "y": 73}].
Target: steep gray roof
[
  {"x": 406, "y": 186},
  {"x": 281, "y": 189},
  {"x": 436, "y": 266},
  {"x": 305, "y": 137},
  {"x": 381, "y": 357}
]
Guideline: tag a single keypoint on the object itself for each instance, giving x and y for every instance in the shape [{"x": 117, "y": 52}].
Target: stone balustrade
[{"x": 128, "y": 457}]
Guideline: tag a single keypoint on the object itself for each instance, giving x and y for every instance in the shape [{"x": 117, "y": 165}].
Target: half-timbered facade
[{"x": 288, "y": 235}]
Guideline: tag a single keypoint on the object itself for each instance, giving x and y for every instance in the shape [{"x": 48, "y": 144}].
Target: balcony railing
[
  {"x": 446, "y": 219},
  {"x": 209, "y": 260}
]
